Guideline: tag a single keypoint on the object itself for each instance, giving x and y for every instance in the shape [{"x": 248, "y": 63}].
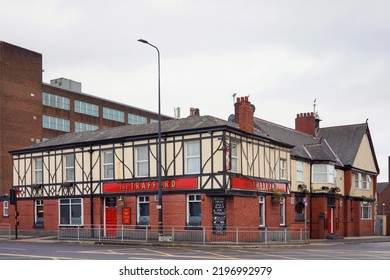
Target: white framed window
[
  {"x": 234, "y": 157},
  {"x": 300, "y": 175},
  {"x": 324, "y": 173},
  {"x": 358, "y": 180},
  {"x": 143, "y": 217},
  {"x": 366, "y": 182},
  {"x": 71, "y": 212},
  {"x": 5, "y": 208},
  {"x": 80, "y": 127},
  {"x": 55, "y": 101},
  {"x": 108, "y": 164},
  {"x": 365, "y": 210},
  {"x": 142, "y": 161},
  {"x": 194, "y": 210},
  {"x": 135, "y": 119},
  {"x": 86, "y": 108},
  {"x": 69, "y": 168},
  {"x": 38, "y": 171},
  {"x": 282, "y": 211},
  {"x": 55, "y": 123},
  {"x": 283, "y": 172},
  {"x": 38, "y": 213},
  {"x": 262, "y": 211},
  {"x": 114, "y": 115},
  {"x": 193, "y": 157}
]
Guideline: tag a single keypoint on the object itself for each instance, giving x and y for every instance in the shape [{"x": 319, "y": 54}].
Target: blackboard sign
[{"x": 219, "y": 215}]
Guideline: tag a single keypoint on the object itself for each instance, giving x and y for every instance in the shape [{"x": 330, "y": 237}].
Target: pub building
[{"x": 244, "y": 172}]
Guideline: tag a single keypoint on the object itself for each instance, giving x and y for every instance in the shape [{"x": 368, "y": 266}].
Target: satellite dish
[{"x": 232, "y": 118}]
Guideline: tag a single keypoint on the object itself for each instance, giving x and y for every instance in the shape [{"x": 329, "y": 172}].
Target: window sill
[
  {"x": 193, "y": 227},
  {"x": 142, "y": 226}
]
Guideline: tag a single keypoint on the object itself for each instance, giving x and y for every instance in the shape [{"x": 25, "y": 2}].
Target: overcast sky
[{"x": 283, "y": 54}]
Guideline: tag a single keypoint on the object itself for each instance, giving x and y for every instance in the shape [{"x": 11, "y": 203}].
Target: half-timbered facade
[{"x": 109, "y": 176}]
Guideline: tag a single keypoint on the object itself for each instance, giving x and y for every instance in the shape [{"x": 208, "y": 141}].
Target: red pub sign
[
  {"x": 257, "y": 185},
  {"x": 174, "y": 184}
]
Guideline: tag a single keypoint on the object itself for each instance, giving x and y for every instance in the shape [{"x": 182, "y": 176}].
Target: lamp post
[
  {"x": 159, "y": 167},
  {"x": 383, "y": 208}
]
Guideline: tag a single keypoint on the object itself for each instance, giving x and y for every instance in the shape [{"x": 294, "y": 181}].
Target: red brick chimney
[
  {"x": 308, "y": 123},
  {"x": 243, "y": 111}
]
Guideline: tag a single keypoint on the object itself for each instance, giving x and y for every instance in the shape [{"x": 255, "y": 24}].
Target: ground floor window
[
  {"x": 194, "y": 210},
  {"x": 262, "y": 211},
  {"x": 143, "y": 217},
  {"x": 366, "y": 210},
  {"x": 71, "y": 211},
  {"x": 282, "y": 211},
  {"x": 38, "y": 212},
  {"x": 5, "y": 208}
]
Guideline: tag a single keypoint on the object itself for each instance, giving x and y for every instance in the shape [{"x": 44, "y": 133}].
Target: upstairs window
[
  {"x": 38, "y": 171},
  {"x": 86, "y": 108},
  {"x": 135, "y": 119},
  {"x": 193, "y": 157},
  {"x": 108, "y": 165},
  {"x": 283, "y": 172},
  {"x": 142, "y": 161},
  {"x": 300, "y": 177},
  {"x": 55, "y": 101},
  {"x": 114, "y": 115},
  {"x": 69, "y": 168},
  {"x": 234, "y": 157},
  {"x": 55, "y": 123},
  {"x": 324, "y": 173}
]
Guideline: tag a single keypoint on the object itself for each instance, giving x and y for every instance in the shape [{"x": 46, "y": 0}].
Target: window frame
[
  {"x": 193, "y": 161},
  {"x": 318, "y": 175},
  {"x": 86, "y": 108},
  {"x": 366, "y": 210},
  {"x": 234, "y": 157},
  {"x": 282, "y": 215},
  {"x": 38, "y": 170},
  {"x": 300, "y": 171},
  {"x": 38, "y": 203},
  {"x": 5, "y": 208},
  {"x": 70, "y": 168},
  {"x": 55, "y": 101},
  {"x": 71, "y": 203},
  {"x": 108, "y": 166},
  {"x": 142, "y": 201},
  {"x": 55, "y": 123},
  {"x": 191, "y": 199},
  {"x": 283, "y": 169},
  {"x": 113, "y": 115},
  {"x": 262, "y": 209},
  {"x": 142, "y": 163}
]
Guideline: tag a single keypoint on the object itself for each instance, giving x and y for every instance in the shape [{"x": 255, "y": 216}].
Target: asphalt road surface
[{"x": 19, "y": 250}]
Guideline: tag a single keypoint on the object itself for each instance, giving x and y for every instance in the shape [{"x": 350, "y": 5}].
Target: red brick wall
[
  {"x": 305, "y": 122},
  {"x": 20, "y": 104}
]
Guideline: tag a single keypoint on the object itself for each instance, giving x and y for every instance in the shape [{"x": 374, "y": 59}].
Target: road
[{"x": 18, "y": 250}]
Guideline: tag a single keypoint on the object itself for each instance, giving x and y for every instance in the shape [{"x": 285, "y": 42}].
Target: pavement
[{"x": 313, "y": 242}]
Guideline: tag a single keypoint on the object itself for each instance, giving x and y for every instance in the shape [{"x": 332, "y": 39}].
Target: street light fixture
[{"x": 159, "y": 167}]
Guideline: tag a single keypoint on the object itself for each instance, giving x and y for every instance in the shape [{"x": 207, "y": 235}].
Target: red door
[
  {"x": 329, "y": 215},
  {"x": 111, "y": 221}
]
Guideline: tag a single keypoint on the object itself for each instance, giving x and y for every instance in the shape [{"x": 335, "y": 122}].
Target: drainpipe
[
  {"x": 310, "y": 201},
  {"x": 91, "y": 194}
]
